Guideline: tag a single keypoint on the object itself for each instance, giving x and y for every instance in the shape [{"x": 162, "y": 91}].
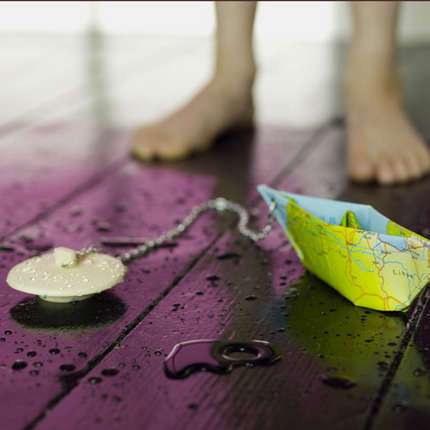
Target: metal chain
[{"x": 219, "y": 205}]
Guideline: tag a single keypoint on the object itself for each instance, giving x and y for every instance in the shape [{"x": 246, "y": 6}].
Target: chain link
[{"x": 219, "y": 205}]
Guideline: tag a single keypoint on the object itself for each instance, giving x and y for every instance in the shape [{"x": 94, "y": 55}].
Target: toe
[
  {"x": 400, "y": 171},
  {"x": 142, "y": 146},
  {"x": 142, "y": 152},
  {"x": 361, "y": 171},
  {"x": 173, "y": 150},
  {"x": 385, "y": 172},
  {"x": 413, "y": 165},
  {"x": 423, "y": 157}
]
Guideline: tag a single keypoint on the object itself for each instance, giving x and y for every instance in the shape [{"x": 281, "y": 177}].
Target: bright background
[
  {"x": 300, "y": 49},
  {"x": 299, "y": 21}
]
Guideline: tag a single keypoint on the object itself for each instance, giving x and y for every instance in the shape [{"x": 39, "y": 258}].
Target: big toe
[
  {"x": 149, "y": 145},
  {"x": 361, "y": 171},
  {"x": 173, "y": 149},
  {"x": 145, "y": 143}
]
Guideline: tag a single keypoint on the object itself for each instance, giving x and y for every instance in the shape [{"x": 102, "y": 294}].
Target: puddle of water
[{"x": 217, "y": 356}]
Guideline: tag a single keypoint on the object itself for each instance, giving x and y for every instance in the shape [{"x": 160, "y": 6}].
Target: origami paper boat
[{"x": 366, "y": 257}]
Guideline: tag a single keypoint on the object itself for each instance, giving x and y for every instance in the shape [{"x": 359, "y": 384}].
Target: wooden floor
[{"x": 67, "y": 179}]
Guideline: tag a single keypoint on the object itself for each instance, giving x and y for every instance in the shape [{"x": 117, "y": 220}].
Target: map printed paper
[{"x": 369, "y": 259}]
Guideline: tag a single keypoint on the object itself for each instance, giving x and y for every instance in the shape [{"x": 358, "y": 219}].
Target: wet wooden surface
[{"x": 67, "y": 180}]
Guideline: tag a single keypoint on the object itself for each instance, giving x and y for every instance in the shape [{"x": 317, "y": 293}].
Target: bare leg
[
  {"x": 382, "y": 143},
  {"x": 224, "y": 103}
]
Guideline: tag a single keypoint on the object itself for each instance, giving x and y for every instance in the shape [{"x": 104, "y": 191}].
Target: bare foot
[
  {"x": 219, "y": 106},
  {"x": 383, "y": 145}
]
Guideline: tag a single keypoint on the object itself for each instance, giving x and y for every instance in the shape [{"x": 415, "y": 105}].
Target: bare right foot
[
  {"x": 383, "y": 145},
  {"x": 221, "y": 105}
]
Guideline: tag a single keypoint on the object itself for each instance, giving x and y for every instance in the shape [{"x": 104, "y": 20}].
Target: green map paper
[{"x": 369, "y": 259}]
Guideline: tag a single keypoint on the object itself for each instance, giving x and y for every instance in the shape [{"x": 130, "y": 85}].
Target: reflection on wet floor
[
  {"x": 100, "y": 310},
  {"x": 217, "y": 356},
  {"x": 343, "y": 337}
]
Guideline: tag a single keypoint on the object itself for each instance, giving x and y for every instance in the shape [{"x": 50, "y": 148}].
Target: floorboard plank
[
  {"x": 320, "y": 335},
  {"x": 150, "y": 199},
  {"x": 200, "y": 308},
  {"x": 41, "y": 170},
  {"x": 404, "y": 400}
]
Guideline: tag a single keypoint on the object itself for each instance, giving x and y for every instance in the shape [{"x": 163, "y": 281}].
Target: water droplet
[
  {"x": 19, "y": 365},
  {"x": 18, "y": 350},
  {"x": 229, "y": 256},
  {"x": 338, "y": 382},
  {"x": 7, "y": 247},
  {"x": 110, "y": 372},
  {"x": 38, "y": 364},
  {"x": 95, "y": 380},
  {"x": 8, "y": 332},
  {"x": 54, "y": 351},
  {"x": 67, "y": 367},
  {"x": 102, "y": 226},
  {"x": 419, "y": 372},
  {"x": 251, "y": 297}
]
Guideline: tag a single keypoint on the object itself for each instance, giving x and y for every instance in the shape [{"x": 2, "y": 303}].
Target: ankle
[
  {"x": 241, "y": 77},
  {"x": 237, "y": 90},
  {"x": 371, "y": 80}
]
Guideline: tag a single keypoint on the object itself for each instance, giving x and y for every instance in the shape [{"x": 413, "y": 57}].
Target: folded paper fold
[{"x": 366, "y": 257}]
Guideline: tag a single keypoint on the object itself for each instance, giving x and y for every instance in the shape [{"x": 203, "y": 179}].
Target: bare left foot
[{"x": 217, "y": 107}]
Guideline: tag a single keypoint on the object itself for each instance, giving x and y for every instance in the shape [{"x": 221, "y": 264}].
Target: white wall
[
  {"x": 296, "y": 21},
  {"x": 300, "y": 77}
]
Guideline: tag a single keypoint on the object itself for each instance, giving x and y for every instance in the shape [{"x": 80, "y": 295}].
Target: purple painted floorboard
[
  {"x": 128, "y": 205},
  {"x": 241, "y": 297},
  {"x": 134, "y": 200},
  {"x": 49, "y": 164}
]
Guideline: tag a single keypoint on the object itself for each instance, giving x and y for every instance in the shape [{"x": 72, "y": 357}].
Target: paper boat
[{"x": 366, "y": 257}]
